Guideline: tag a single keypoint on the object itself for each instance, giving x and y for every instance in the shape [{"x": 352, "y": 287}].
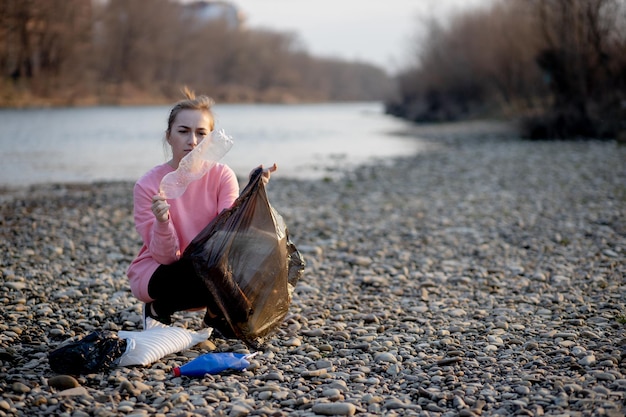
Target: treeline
[
  {"x": 76, "y": 52},
  {"x": 557, "y": 66}
]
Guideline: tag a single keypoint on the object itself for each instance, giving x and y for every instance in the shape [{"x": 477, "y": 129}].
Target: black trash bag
[
  {"x": 249, "y": 265},
  {"x": 96, "y": 352}
]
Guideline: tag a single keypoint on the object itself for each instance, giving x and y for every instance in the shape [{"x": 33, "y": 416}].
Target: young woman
[{"x": 158, "y": 276}]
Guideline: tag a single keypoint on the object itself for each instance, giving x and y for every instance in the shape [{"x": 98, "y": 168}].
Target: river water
[{"x": 307, "y": 141}]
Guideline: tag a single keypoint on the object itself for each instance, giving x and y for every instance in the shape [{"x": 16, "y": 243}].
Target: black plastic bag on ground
[
  {"x": 249, "y": 265},
  {"x": 96, "y": 352}
]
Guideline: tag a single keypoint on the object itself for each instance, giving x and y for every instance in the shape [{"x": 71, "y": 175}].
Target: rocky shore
[{"x": 485, "y": 276}]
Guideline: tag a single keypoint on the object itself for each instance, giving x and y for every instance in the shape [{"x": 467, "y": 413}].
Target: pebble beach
[{"x": 484, "y": 276}]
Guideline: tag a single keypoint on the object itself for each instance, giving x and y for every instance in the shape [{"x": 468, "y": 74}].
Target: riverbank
[
  {"x": 130, "y": 95},
  {"x": 482, "y": 277}
]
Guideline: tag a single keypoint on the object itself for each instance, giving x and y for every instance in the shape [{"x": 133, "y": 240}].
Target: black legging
[{"x": 177, "y": 287}]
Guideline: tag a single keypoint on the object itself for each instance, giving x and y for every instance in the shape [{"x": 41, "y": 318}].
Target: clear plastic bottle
[{"x": 214, "y": 363}]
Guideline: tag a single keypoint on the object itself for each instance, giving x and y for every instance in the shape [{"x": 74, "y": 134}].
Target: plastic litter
[
  {"x": 195, "y": 164},
  {"x": 249, "y": 265},
  {"x": 214, "y": 363},
  {"x": 157, "y": 341},
  {"x": 96, "y": 352},
  {"x": 102, "y": 350}
]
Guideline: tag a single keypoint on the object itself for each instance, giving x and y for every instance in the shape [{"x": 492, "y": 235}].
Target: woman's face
[{"x": 190, "y": 127}]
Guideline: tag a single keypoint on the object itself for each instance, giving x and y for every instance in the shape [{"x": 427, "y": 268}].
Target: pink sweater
[{"x": 163, "y": 243}]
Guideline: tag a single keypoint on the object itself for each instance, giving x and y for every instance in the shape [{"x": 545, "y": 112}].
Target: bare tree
[
  {"x": 563, "y": 60},
  {"x": 42, "y": 43},
  {"x": 145, "y": 50},
  {"x": 583, "y": 60}
]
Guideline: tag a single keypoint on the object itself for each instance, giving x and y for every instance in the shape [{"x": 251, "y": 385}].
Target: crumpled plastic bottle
[
  {"x": 214, "y": 363},
  {"x": 195, "y": 164}
]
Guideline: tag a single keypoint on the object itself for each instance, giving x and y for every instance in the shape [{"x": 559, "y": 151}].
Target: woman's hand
[
  {"x": 160, "y": 208},
  {"x": 267, "y": 172}
]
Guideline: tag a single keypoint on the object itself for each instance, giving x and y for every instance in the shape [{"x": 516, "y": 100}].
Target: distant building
[{"x": 208, "y": 10}]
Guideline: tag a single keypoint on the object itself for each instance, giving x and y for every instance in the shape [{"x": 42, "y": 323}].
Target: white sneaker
[{"x": 149, "y": 321}]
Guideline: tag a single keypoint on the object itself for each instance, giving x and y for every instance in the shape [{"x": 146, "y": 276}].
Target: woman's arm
[
  {"x": 228, "y": 190},
  {"x": 159, "y": 236}
]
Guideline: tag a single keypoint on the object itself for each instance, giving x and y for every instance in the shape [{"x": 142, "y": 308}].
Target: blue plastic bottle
[{"x": 214, "y": 363}]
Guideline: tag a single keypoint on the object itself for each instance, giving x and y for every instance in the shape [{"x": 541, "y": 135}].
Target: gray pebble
[
  {"x": 481, "y": 278},
  {"x": 334, "y": 409},
  {"x": 62, "y": 382}
]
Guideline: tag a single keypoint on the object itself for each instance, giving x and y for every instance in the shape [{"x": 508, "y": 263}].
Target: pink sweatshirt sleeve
[
  {"x": 228, "y": 190},
  {"x": 159, "y": 237}
]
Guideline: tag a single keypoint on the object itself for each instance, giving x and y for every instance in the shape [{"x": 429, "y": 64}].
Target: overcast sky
[{"x": 377, "y": 31}]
